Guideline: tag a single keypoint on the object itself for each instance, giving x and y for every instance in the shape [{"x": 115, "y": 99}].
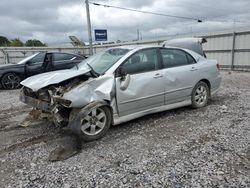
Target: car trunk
[{"x": 194, "y": 44}]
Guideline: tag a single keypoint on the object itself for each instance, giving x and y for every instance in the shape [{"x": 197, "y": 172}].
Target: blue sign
[{"x": 101, "y": 35}]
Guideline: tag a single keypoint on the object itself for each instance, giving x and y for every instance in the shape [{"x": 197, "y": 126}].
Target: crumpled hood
[{"x": 42, "y": 80}]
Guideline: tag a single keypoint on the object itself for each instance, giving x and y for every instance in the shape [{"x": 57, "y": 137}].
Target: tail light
[{"x": 218, "y": 66}]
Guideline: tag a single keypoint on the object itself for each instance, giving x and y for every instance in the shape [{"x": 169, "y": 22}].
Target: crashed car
[{"x": 121, "y": 84}]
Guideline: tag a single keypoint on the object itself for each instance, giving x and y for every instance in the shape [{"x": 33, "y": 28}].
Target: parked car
[
  {"x": 121, "y": 84},
  {"x": 12, "y": 74}
]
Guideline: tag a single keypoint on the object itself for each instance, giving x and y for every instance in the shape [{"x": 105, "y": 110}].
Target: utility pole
[{"x": 89, "y": 28}]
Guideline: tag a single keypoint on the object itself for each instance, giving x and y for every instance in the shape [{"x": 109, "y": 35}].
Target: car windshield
[
  {"x": 27, "y": 59},
  {"x": 102, "y": 61}
]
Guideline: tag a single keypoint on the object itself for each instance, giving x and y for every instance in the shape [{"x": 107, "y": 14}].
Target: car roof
[
  {"x": 79, "y": 55},
  {"x": 133, "y": 47}
]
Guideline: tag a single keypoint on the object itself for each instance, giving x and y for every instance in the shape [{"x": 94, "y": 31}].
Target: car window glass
[
  {"x": 79, "y": 58},
  {"x": 38, "y": 59},
  {"x": 62, "y": 57},
  {"x": 173, "y": 58},
  {"x": 104, "y": 60},
  {"x": 191, "y": 60},
  {"x": 142, "y": 61}
]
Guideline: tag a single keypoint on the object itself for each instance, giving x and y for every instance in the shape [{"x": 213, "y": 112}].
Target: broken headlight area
[
  {"x": 49, "y": 100},
  {"x": 63, "y": 102},
  {"x": 32, "y": 99},
  {"x": 42, "y": 95},
  {"x": 60, "y": 115},
  {"x": 60, "y": 107}
]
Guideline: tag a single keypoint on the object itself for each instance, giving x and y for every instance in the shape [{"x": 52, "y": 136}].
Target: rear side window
[
  {"x": 175, "y": 58},
  {"x": 142, "y": 61},
  {"x": 63, "y": 57},
  {"x": 191, "y": 60}
]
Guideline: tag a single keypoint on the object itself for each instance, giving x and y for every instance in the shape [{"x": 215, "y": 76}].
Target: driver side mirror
[
  {"x": 125, "y": 78},
  {"x": 121, "y": 73}
]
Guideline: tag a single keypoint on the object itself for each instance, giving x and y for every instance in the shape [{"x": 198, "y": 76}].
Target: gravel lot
[{"x": 208, "y": 147}]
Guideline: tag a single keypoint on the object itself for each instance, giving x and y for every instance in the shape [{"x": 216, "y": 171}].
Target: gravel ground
[{"x": 208, "y": 147}]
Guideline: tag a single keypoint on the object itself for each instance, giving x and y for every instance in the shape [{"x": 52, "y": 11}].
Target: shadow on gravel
[{"x": 69, "y": 145}]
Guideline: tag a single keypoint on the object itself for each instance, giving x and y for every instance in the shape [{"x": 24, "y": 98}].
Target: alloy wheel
[
  {"x": 11, "y": 81},
  {"x": 201, "y": 95},
  {"x": 94, "y": 122}
]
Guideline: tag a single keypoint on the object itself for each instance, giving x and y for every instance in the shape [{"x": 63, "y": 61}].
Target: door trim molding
[
  {"x": 118, "y": 120},
  {"x": 150, "y": 96}
]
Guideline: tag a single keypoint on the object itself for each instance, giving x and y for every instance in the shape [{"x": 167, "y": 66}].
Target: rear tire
[
  {"x": 91, "y": 124},
  {"x": 11, "y": 81},
  {"x": 200, "y": 95}
]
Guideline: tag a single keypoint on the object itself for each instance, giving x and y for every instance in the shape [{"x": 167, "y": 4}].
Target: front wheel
[
  {"x": 11, "y": 81},
  {"x": 91, "y": 124},
  {"x": 200, "y": 95}
]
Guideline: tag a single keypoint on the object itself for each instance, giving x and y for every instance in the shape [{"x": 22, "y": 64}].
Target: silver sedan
[{"x": 121, "y": 84}]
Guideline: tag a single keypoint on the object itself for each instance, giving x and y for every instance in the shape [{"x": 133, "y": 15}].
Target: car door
[
  {"x": 64, "y": 61},
  {"x": 145, "y": 89},
  {"x": 35, "y": 65},
  {"x": 180, "y": 72}
]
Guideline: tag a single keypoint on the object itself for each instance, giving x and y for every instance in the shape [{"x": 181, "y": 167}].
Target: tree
[
  {"x": 4, "y": 41},
  {"x": 16, "y": 42},
  {"x": 34, "y": 42}
]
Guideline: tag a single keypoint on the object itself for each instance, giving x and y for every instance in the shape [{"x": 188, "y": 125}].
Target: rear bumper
[{"x": 41, "y": 105}]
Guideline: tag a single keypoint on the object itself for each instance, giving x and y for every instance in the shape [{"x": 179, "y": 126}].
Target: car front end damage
[
  {"x": 56, "y": 101},
  {"x": 48, "y": 102}
]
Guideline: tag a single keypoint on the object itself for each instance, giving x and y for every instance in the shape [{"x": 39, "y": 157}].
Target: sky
[{"x": 52, "y": 21}]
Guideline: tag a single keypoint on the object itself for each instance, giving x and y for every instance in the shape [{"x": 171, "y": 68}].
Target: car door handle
[
  {"x": 158, "y": 75},
  {"x": 193, "y": 69}
]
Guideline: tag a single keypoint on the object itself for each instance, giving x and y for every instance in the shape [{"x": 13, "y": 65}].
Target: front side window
[
  {"x": 142, "y": 61},
  {"x": 175, "y": 57},
  {"x": 38, "y": 59}
]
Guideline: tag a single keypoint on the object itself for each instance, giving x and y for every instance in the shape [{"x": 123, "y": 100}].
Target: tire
[
  {"x": 11, "y": 81},
  {"x": 200, "y": 95},
  {"x": 92, "y": 123}
]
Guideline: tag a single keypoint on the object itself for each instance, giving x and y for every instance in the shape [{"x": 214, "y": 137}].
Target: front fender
[{"x": 98, "y": 89}]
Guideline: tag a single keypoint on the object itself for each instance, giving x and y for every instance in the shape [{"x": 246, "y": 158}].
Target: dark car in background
[{"x": 12, "y": 74}]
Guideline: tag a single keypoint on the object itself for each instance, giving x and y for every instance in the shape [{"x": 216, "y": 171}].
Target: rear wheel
[
  {"x": 93, "y": 123},
  {"x": 11, "y": 81},
  {"x": 200, "y": 95}
]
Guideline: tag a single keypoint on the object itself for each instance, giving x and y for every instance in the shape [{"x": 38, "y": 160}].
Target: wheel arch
[
  {"x": 108, "y": 105},
  {"x": 208, "y": 84},
  {"x": 14, "y": 72},
  {"x": 105, "y": 103}
]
